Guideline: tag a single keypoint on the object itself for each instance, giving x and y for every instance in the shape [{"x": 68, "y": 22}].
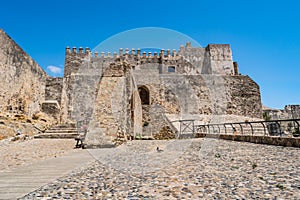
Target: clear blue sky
[{"x": 264, "y": 35}]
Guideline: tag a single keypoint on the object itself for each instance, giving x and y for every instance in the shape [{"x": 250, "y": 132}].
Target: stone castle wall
[
  {"x": 244, "y": 97},
  {"x": 22, "y": 80},
  {"x": 214, "y": 59},
  {"x": 202, "y": 82},
  {"x": 289, "y": 112},
  {"x": 105, "y": 88},
  {"x": 53, "y": 89}
]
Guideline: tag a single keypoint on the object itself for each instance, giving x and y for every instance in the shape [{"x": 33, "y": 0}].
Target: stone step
[
  {"x": 56, "y": 136},
  {"x": 147, "y": 137},
  {"x": 65, "y": 126},
  {"x": 58, "y": 128},
  {"x": 60, "y": 131}
]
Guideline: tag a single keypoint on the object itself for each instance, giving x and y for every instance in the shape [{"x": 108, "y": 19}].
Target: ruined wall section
[
  {"x": 111, "y": 116},
  {"x": 218, "y": 59},
  {"x": 191, "y": 96},
  {"x": 83, "y": 73},
  {"x": 74, "y": 60},
  {"x": 97, "y": 86},
  {"x": 159, "y": 126},
  {"x": 53, "y": 90},
  {"x": 244, "y": 96},
  {"x": 215, "y": 59},
  {"x": 81, "y": 96},
  {"x": 182, "y": 96},
  {"x": 22, "y": 79},
  {"x": 289, "y": 112},
  {"x": 53, "y": 97},
  {"x": 194, "y": 58},
  {"x": 178, "y": 94}
]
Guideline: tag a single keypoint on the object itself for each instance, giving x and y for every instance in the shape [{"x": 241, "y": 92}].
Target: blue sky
[{"x": 264, "y": 35}]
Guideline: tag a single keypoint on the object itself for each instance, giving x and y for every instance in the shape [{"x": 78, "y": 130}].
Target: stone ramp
[
  {"x": 61, "y": 131},
  {"x": 18, "y": 182}
]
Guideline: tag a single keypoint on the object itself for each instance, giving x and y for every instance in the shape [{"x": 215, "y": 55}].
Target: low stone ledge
[
  {"x": 270, "y": 140},
  {"x": 56, "y": 136},
  {"x": 100, "y": 146}
]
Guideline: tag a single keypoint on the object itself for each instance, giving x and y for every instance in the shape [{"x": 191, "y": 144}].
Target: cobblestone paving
[{"x": 183, "y": 169}]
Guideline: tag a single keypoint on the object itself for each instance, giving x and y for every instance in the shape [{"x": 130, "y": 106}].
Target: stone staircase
[{"x": 61, "y": 131}]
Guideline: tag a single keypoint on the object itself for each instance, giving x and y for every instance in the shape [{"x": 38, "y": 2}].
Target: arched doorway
[{"x": 144, "y": 95}]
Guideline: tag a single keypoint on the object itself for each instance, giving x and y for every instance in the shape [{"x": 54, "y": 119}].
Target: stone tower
[{"x": 137, "y": 93}]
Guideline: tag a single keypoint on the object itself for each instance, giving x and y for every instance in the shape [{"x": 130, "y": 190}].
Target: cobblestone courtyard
[{"x": 182, "y": 169}]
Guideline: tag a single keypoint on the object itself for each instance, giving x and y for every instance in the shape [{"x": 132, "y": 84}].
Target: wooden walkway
[{"x": 18, "y": 182}]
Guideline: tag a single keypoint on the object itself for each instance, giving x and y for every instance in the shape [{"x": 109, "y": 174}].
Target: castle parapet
[
  {"x": 213, "y": 59},
  {"x": 163, "y": 54}
]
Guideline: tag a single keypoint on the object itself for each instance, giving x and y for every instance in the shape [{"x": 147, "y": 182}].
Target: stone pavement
[
  {"x": 182, "y": 169},
  {"x": 20, "y": 181}
]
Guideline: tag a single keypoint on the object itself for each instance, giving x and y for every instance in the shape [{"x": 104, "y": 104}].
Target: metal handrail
[{"x": 266, "y": 125}]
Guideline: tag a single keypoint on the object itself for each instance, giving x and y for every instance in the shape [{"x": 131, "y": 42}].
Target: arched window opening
[
  {"x": 171, "y": 69},
  {"x": 144, "y": 95}
]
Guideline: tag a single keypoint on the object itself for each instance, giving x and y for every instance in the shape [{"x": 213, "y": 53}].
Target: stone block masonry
[
  {"x": 190, "y": 82},
  {"x": 53, "y": 90},
  {"x": 22, "y": 80},
  {"x": 131, "y": 92}
]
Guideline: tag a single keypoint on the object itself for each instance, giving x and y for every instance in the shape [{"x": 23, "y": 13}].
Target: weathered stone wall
[
  {"x": 204, "y": 95},
  {"x": 22, "y": 80},
  {"x": 53, "y": 90},
  {"x": 53, "y": 97},
  {"x": 79, "y": 96},
  {"x": 244, "y": 96},
  {"x": 80, "y": 85},
  {"x": 104, "y": 89},
  {"x": 214, "y": 59},
  {"x": 157, "y": 125},
  {"x": 219, "y": 59},
  {"x": 195, "y": 59},
  {"x": 111, "y": 112},
  {"x": 184, "y": 94},
  {"x": 74, "y": 60},
  {"x": 137, "y": 116},
  {"x": 110, "y": 104},
  {"x": 289, "y": 112}
]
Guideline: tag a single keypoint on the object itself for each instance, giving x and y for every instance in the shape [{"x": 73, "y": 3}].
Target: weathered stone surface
[
  {"x": 22, "y": 91},
  {"x": 200, "y": 83},
  {"x": 53, "y": 90},
  {"x": 201, "y": 168},
  {"x": 165, "y": 133},
  {"x": 244, "y": 96},
  {"x": 22, "y": 80},
  {"x": 128, "y": 94},
  {"x": 289, "y": 112},
  {"x": 52, "y": 108}
]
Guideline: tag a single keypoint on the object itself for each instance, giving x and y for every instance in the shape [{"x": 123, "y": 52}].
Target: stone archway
[{"x": 144, "y": 95}]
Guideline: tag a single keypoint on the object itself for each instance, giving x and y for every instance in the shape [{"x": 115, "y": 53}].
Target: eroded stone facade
[
  {"x": 130, "y": 93},
  {"x": 22, "y": 80},
  {"x": 142, "y": 94},
  {"x": 289, "y": 112}
]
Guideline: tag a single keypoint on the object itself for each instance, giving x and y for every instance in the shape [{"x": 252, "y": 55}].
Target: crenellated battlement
[
  {"x": 213, "y": 59},
  {"x": 127, "y": 53}
]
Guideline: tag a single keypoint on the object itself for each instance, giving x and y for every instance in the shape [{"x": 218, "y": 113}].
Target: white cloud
[{"x": 54, "y": 69}]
